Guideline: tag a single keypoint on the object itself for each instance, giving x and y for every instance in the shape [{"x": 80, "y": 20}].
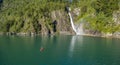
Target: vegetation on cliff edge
[{"x": 30, "y": 15}]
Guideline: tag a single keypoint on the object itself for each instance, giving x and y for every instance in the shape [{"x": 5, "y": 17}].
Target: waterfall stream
[{"x": 77, "y": 29}]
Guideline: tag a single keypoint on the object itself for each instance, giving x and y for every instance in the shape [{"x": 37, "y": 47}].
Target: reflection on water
[
  {"x": 72, "y": 45},
  {"x": 78, "y": 40},
  {"x": 59, "y": 50}
]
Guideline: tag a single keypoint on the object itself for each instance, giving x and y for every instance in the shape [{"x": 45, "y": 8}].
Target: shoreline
[{"x": 66, "y": 33}]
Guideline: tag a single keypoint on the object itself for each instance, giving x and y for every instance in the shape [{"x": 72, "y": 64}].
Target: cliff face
[
  {"x": 49, "y": 17},
  {"x": 59, "y": 23},
  {"x": 116, "y": 18},
  {"x": 63, "y": 22},
  {"x": 34, "y": 17},
  {"x": 54, "y": 22}
]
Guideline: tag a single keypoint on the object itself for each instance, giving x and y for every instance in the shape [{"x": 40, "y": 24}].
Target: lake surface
[{"x": 59, "y": 50}]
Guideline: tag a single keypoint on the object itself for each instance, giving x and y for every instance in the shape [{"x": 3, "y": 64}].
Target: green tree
[{"x": 106, "y": 6}]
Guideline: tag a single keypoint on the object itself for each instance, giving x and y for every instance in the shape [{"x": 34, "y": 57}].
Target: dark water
[{"x": 59, "y": 50}]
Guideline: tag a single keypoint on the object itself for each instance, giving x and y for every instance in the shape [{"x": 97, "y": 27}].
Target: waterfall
[
  {"x": 77, "y": 29},
  {"x": 72, "y": 24}
]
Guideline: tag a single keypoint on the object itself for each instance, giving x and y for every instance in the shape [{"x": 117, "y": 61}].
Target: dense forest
[{"x": 30, "y": 15}]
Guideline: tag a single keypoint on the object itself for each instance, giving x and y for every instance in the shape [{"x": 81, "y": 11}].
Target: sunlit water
[{"x": 59, "y": 50}]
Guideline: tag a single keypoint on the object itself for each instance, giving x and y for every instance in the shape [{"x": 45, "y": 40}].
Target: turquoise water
[{"x": 59, "y": 50}]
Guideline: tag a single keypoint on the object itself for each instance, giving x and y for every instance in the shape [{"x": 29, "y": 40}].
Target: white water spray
[
  {"x": 72, "y": 24},
  {"x": 77, "y": 29}
]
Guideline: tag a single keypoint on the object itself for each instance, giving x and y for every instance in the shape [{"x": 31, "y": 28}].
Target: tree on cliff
[
  {"x": 106, "y": 6},
  {"x": 30, "y": 15},
  {"x": 27, "y": 15}
]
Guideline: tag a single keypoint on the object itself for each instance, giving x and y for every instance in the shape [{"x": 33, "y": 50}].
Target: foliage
[
  {"x": 30, "y": 15},
  {"x": 106, "y": 6},
  {"x": 25, "y": 15},
  {"x": 99, "y": 14}
]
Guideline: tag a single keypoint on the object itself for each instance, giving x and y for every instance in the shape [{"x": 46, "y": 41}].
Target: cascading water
[
  {"x": 77, "y": 29},
  {"x": 72, "y": 24},
  {"x": 80, "y": 29}
]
